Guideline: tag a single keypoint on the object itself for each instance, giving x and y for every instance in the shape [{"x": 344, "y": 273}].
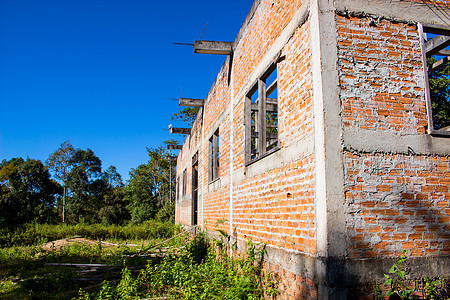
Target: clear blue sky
[{"x": 99, "y": 72}]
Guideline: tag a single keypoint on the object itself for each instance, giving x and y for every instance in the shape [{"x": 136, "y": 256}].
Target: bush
[{"x": 200, "y": 272}]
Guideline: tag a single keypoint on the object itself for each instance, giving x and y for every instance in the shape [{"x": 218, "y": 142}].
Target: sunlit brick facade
[{"x": 355, "y": 177}]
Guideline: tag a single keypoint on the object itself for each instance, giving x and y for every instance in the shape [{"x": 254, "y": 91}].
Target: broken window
[
  {"x": 436, "y": 51},
  {"x": 184, "y": 182},
  {"x": 214, "y": 155},
  {"x": 261, "y": 116}
]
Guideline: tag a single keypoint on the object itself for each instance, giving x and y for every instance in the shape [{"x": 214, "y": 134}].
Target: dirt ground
[{"x": 58, "y": 244}]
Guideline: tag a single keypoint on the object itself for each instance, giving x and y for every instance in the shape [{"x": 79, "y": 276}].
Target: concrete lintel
[
  {"x": 179, "y": 130},
  {"x": 365, "y": 140},
  {"x": 398, "y": 9},
  {"x": 213, "y": 47},
  {"x": 174, "y": 147},
  {"x": 191, "y": 102}
]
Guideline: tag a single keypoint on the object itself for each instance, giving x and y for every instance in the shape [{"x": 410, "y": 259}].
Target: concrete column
[{"x": 331, "y": 239}]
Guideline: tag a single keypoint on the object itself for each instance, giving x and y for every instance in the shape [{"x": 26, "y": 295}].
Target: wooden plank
[
  {"x": 214, "y": 157},
  {"x": 80, "y": 265},
  {"x": 270, "y": 135},
  {"x": 272, "y": 87},
  {"x": 261, "y": 120},
  {"x": 174, "y": 147},
  {"x": 269, "y": 107},
  {"x": 436, "y": 44},
  {"x": 191, "y": 102},
  {"x": 248, "y": 129},
  {"x": 213, "y": 47}
]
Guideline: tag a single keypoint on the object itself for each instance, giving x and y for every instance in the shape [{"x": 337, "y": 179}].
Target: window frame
[
  {"x": 423, "y": 29},
  {"x": 263, "y": 92},
  {"x": 214, "y": 156},
  {"x": 184, "y": 188}
]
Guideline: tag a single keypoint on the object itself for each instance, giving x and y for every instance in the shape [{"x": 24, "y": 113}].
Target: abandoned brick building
[{"x": 317, "y": 138}]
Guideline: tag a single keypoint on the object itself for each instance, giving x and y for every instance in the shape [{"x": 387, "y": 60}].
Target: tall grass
[{"x": 33, "y": 234}]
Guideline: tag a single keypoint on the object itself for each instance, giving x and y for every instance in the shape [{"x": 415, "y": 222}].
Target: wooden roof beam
[
  {"x": 179, "y": 130},
  {"x": 191, "y": 102},
  {"x": 213, "y": 47}
]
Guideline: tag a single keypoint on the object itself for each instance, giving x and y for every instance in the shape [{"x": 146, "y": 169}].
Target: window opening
[
  {"x": 261, "y": 121},
  {"x": 436, "y": 52},
  {"x": 184, "y": 182},
  {"x": 214, "y": 155}
]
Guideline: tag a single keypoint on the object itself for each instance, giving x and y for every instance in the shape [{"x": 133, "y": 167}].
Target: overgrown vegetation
[
  {"x": 30, "y": 270},
  {"x": 402, "y": 288},
  {"x": 195, "y": 268},
  {"x": 202, "y": 271},
  {"x": 35, "y": 234}
]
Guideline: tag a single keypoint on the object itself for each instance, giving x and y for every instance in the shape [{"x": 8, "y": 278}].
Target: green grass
[
  {"x": 194, "y": 269},
  {"x": 203, "y": 271},
  {"x": 24, "y": 269},
  {"x": 34, "y": 234}
]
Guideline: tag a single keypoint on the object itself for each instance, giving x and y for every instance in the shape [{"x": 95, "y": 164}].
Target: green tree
[
  {"x": 187, "y": 115},
  {"x": 86, "y": 186},
  {"x": 27, "y": 192},
  {"x": 60, "y": 165},
  {"x": 439, "y": 80},
  {"x": 151, "y": 186},
  {"x": 114, "y": 207}
]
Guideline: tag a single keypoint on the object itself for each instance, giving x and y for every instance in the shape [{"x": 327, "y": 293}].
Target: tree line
[{"x": 71, "y": 187}]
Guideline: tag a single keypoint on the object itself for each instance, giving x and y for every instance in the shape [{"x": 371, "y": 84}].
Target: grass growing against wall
[
  {"x": 202, "y": 271},
  {"x": 195, "y": 268}
]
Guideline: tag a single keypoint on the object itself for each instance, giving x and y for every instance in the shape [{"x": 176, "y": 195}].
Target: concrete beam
[
  {"x": 440, "y": 63},
  {"x": 174, "y": 147},
  {"x": 179, "y": 130},
  {"x": 398, "y": 9},
  {"x": 170, "y": 158},
  {"x": 191, "y": 102},
  {"x": 436, "y": 44},
  {"x": 213, "y": 47}
]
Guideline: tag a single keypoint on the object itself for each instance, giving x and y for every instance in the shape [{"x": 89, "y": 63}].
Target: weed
[{"x": 436, "y": 288}]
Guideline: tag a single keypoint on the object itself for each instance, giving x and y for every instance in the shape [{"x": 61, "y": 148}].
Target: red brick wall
[
  {"x": 394, "y": 202},
  {"x": 381, "y": 75},
  {"x": 397, "y": 202},
  {"x": 268, "y": 21}
]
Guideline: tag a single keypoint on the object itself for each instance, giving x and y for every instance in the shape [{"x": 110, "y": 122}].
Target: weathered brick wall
[
  {"x": 381, "y": 75},
  {"x": 394, "y": 201},
  {"x": 397, "y": 202}
]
